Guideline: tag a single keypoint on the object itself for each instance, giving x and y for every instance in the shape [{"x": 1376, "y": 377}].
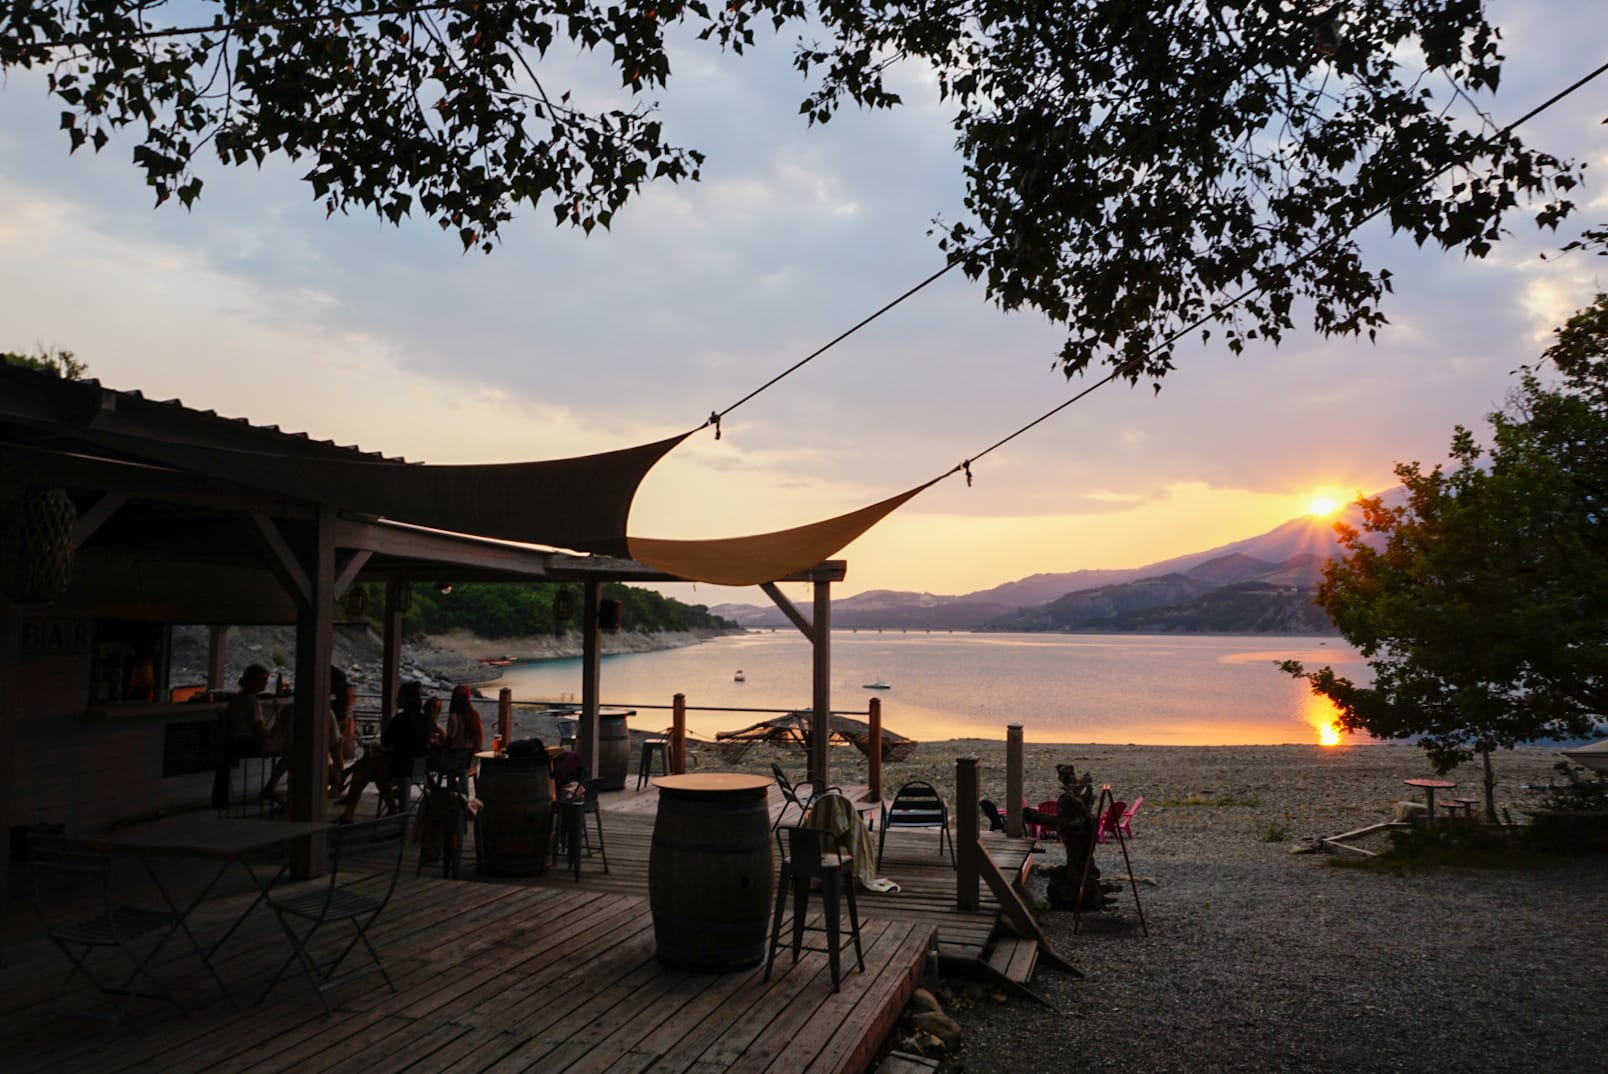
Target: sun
[{"x": 1323, "y": 506}]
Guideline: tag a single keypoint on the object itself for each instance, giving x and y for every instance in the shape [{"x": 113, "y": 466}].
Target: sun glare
[
  {"x": 1322, "y": 506},
  {"x": 1323, "y": 716}
]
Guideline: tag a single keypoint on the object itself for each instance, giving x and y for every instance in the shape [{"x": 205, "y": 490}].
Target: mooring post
[
  {"x": 873, "y": 765},
  {"x": 1013, "y": 780},
  {"x": 505, "y": 715},
  {"x": 678, "y": 734},
  {"x": 968, "y": 876}
]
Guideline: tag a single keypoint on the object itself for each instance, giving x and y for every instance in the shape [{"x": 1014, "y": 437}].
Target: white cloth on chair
[{"x": 837, "y": 815}]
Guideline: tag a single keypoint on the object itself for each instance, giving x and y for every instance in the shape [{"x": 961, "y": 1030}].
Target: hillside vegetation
[{"x": 505, "y": 609}]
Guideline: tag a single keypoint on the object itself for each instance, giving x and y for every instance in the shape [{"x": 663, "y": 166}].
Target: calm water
[{"x": 1152, "y": 690}]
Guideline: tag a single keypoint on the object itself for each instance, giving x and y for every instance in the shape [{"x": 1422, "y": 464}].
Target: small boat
[
  {"x": 878, "y": 685},
  {"x": 739, "y": 677}
]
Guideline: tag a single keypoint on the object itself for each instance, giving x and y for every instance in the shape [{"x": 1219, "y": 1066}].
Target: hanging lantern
[
  {"x": 608, "y": 615},
  {"x": 356, "y": 602},
  {"x": 563, "y": 604},
  {"x": 36, "y": 544}
]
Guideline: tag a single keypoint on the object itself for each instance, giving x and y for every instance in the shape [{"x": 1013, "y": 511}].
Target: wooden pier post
[
  {"x": 873, "y": 766},
  {"x": 678, "y": 735},
  {"x": 1013, "y": 780},
  {"x": 505, "y": 715},
  {"x": 967, "y": 846}
]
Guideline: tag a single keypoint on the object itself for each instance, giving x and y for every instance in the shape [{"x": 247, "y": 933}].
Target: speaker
[{"x": 608, "y": 615}]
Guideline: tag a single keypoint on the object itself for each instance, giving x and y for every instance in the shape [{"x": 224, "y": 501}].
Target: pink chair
[
  {"x": 1127, "y": 816},
  {"x": 1110, "y": 820},
  {"x": 1045, "y": 831}
]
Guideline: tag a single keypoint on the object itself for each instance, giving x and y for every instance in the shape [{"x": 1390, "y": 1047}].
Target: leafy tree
[
  {"x": 509, "y": 609},
  {"x": 1132, "y": 166},
  {"x": 1481, "y": 602},
  {"x": 52, "y": 360}
]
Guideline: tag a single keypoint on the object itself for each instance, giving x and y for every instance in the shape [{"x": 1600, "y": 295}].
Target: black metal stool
[
  {"x": 804, "y": 862},
  {"x": 652, "y": 747}
]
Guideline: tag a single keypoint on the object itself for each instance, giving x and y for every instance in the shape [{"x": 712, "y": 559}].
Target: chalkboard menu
[{"x": 189, "y": 747}]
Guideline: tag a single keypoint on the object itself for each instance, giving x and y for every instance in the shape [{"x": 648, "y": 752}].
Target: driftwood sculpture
[{"x": 1075, "y": 825}]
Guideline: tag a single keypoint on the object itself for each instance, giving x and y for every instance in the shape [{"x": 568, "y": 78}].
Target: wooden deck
[{"x": 542, "y": 973}]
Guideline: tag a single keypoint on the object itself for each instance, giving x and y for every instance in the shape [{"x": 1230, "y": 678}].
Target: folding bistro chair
[
  {"x": 569, "y": 821},
  {"x": 801, "y": 794},
  {"x": 302, "y": 916},
  {"x": 917, "y": 804},
  {"x": 69, "y": 874}
]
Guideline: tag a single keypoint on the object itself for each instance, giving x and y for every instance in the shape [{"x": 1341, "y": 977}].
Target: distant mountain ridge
[{"x": 1261, "y": 584}]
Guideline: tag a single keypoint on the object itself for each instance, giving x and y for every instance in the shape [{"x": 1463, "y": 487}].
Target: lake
[{"x": 1178, "y": 690}]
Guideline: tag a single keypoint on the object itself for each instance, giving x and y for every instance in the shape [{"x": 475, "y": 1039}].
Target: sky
[{"x": 558, "y": 344}]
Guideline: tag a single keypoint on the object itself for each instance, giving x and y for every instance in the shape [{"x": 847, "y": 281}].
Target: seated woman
[
  {"x": 566, "y": 769},
  {"x": 464, "y": 729},
  {"x": 403, "y": 739}
]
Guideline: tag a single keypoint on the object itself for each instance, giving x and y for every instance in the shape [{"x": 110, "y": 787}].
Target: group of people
[{"x": 412, "y": 734}]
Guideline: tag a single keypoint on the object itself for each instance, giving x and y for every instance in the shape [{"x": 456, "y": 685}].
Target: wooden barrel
[
  {"x": 516, "y": 815},
  {"x": 613, "y": 749},
  {"x": 709, "y": 872}
]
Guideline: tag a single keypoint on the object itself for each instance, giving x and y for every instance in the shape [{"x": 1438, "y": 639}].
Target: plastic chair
[
  {"x": 801, "y": 794},
  {"x": 302, "y": 916},
  {"x": 65, "y": 873},
  {"x": 569, "y": 823},
  {"x": 805, "y": 865},
  {"x": 1052, "y": 806},
  {"x": 917, "y": 804},
  {"x": 1126, "y": 823},
  {"x": 1110, "y": 821}
]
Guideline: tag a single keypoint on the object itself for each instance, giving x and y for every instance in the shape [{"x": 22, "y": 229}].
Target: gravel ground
[{"x": 1258, "y": 959}]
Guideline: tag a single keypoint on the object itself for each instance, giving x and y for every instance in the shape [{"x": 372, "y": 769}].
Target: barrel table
[
  {"x": 614, "y": 748},
  {"x": 709, "y": 871},
  {"x": 516, "y": 814}
]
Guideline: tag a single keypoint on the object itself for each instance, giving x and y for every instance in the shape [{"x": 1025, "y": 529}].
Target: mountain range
[{"x": 1262, "y": 584}]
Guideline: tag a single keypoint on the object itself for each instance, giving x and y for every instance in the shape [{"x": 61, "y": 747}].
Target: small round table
[
  {"x": 1429, "y": 787},
  {"x": 709, "y": 870}
]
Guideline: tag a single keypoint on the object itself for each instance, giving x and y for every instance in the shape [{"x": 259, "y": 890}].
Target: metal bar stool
[
  {"x": 651, "y": 748},
  {"x": 804, "y": 862}
]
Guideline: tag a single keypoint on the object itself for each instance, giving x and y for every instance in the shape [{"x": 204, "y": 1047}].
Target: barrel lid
[{"x": 713, "y": 782}]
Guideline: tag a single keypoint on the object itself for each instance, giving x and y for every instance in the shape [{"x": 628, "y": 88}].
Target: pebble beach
[{"x": 1260, "y": 958}]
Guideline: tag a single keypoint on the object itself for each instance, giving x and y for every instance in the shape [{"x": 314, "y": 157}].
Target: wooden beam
[
  {"x": 966, "y": 844},
  {"x": 309, "y": 740},
  {"x": 591, "y": 674},
  {"x": 873, "y": 764},
  {"x": 217, "y": 656},
  {"x": 391, "y": 651},
  {"x": 346, "y": 573},
  {"x": 99, "y": 511},
  {"x": 282, "y": 559},
  {"x": 1018, "y": 912},
  {"x": 793, "y": 614},
  {"x": 821, "y": 717},
  {"x": 139, "y": 481}
]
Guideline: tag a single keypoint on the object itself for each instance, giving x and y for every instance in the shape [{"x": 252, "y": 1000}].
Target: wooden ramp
[{"x": 490, "y": 977}]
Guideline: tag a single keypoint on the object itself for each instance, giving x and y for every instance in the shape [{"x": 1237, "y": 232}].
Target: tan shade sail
[{"x": 762, "y": 557}]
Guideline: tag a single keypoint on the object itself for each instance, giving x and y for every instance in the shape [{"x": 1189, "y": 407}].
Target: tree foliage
[
  {"x": 509, "y": 609},
  {"x": 52, "y": 360},
  {"x": 1133, "y": 166},
  {"x": 1481, "y": 601}
]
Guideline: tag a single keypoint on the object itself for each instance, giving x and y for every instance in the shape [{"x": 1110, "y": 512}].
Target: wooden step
[
  {"x": 1014, "y": 958},
  {"x": 906, "y": 1063}
]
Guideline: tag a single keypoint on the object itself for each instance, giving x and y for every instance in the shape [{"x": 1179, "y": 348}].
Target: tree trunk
[{"x": 1490, "y": 784}]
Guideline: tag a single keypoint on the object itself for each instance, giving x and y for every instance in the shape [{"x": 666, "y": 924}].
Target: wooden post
[
  {"x": 218, "y": 658},
  {"x": 315, "y": 635},
  {"x": 678, "y": 734},
  {"x": 591, "y": 674},
  {"x": 10, "y": 668},
  {"x": 1013, "y": 780},
  {"x": 873, "y": 767},
  {"x": 821, "y": 718},
  {"x": 391, "y": 653},
  {"x": 967, "y": 845},
  {"x": 505, "y": 715}
]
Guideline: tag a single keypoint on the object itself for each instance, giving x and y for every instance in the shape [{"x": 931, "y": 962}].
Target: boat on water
[
  {"x": 878, "y": 685},
  {"x": 739, "y": 677}
]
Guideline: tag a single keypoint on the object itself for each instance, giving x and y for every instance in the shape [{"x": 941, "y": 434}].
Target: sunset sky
[{"x": 557, "y": 344}]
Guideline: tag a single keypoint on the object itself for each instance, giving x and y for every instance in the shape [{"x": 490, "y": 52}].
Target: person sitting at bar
[
  {"x": 464, "y": 730},
  {"x": 403, "y": 739},
  {"x": 244, "y": 732},
  {"x": 566, "y": 770}
]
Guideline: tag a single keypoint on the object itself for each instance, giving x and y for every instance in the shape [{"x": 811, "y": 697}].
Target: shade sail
[{"x": 762, "y": 557}]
